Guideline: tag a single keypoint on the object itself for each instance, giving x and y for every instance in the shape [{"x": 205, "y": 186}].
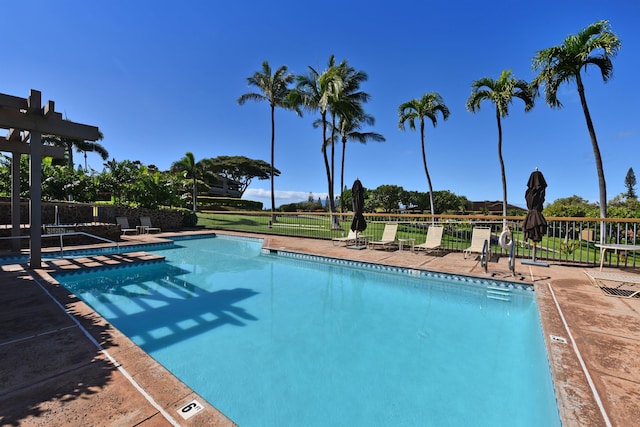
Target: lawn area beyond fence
[{"x": 568, "y": 240}]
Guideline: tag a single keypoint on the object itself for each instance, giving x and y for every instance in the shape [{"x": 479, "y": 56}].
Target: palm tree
[
  {"x": 335, "y": 91},
  {"x": 191, "y": 170},
  {"x": 595, "y": 45},
  {"x": 90, "y": 146},
  {"x": 274, "y": 87},
  {"x": 349, "y": 129},
  {"x": 315, "y": 92},
  {"x": 417, "y": 109},
  {"x": 70, "y": 143},
  {"x": 501, "y": 92},
  {"x": 346, "y": 106}
]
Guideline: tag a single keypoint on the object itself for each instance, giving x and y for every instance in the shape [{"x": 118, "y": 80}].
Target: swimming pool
[{"x": 282, "y": 339}]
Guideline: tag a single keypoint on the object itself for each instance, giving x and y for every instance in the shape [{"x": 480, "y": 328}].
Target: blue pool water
[{"x": 275, "y": 340}]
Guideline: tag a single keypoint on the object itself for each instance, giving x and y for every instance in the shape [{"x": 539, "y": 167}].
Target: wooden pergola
[{"x": 26, "y": 121}]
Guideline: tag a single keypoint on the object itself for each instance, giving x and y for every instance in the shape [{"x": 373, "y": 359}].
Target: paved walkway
[{"x": 53, "y": 374}]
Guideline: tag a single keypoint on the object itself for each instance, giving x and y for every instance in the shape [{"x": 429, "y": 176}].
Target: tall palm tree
[
  {"x": 417, "y": 109},
  {"x": 334, "y": 92},
  {"x": 501, "y": 92},
  {"x": 594, "y": 45},
  {"x": 274, "y": 88},
  {"x": 90, "y": 146},
  {"x": 345, "y": 106},
  {"x": 80, "y": 145},
  {"x": 316, "y": 91},
  {"x": 191, "y": 170},
  {"x": 349, "y": 130}
]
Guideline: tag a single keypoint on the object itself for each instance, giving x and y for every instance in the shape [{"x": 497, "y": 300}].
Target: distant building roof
[
  {"x": 225, "y": 188},
  {"x": 491, "y": 207}
]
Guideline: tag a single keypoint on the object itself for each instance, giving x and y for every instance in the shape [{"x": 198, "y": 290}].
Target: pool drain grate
[{"x": 558, "y": 339}]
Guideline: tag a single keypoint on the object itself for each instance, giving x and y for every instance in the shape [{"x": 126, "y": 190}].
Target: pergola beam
[
  {"x": 49, "y": 124},
  {"x": 28, "y": 116}
]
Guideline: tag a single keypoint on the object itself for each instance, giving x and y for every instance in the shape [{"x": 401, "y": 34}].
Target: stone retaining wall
[
  {"x": 82, "y": 213},
  {"x": 98, "y": 220}
]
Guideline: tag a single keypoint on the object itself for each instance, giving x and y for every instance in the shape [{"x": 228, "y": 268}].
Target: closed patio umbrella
[
  {"x": 357, "y": 196},
  {"x": 535, "y": 225}
]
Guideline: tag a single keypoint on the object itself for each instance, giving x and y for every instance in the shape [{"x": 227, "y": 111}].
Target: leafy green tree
[
  {"x": 500, "y": 92},
  {"x": 415, "y": 200},
  {"x": 5, "y": 176},
  {"x": 274, "y": 88},
  {"x": 240, "y": 169},
  {"x": 416, "y": 110},
  {"x": 386, "y": 197},
  {"x": 595, "y": 46},
  {"x": 119, "y": 177},
  {"x": 623, "y": 206},
  {"x": 449, "y": 202},
  {"x": 574, "y": 206},
  {"x": 630, "y": 183},
  {"x": 64, "y": 183}
]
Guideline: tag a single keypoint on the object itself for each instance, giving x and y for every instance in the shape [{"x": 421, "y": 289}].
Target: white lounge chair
[
  {"x": 123, "y": 222},
  {"x": 388, "y": 239},
  {"x": 351, "y": 237},
  {"x": 615, "y": 284},
  {"x": 145, "y": 222},
  {"x": 434, "y": 239},
  {"x": 479, "y": 235}
]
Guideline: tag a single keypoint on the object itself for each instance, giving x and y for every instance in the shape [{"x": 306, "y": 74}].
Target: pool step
[
  {"x": 497, "y": 293},
  {"x": 96, "y": 261}
]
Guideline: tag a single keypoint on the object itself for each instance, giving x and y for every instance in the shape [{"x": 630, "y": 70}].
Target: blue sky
[{"x": 163, "y": 78}]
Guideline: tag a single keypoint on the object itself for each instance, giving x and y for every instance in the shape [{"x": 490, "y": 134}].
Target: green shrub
[{"x": 189, "y": 220}]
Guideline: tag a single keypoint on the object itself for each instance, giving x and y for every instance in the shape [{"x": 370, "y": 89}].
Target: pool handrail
[{"x": 70, "y": 233}]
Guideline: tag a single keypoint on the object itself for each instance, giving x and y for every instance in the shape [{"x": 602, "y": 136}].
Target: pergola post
[
  {"x": 35, "y": 184},
  {"x": 15, "y": 201}
]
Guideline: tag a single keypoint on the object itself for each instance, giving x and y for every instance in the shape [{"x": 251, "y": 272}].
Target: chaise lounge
[
  {"x": 123, "y": 222},
  {"x": 434, "y": 239},
  {"x": 388, "y": 239},
  {"x": 479, "y": 236}
]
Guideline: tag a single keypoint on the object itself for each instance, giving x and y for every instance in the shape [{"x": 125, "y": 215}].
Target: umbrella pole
[{"x": 533, "y": 259}]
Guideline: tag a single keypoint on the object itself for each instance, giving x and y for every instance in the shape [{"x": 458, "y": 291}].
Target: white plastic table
[
  {"x": 402, "y": 243},
  {"x": 615, "y": 248}
]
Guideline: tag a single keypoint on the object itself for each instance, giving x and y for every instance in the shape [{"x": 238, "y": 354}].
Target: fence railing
[{"x": 568, "y": 240}]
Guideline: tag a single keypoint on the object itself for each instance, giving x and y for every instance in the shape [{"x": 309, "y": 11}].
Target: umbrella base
[
  {"x": 359, "y": 247},
  {"x": 534, "y": 262}
]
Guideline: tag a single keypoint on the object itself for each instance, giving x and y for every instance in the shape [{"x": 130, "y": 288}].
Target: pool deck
[{"x": 62, "y": 364}]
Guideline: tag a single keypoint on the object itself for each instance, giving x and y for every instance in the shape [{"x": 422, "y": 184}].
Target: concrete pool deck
[{"x": 53, "y": 374}]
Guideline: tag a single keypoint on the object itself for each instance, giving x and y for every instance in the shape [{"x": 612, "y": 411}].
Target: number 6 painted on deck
[{"x": 189, "y": 407}]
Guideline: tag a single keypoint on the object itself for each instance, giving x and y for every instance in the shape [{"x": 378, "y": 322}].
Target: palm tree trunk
[
  {"x": 344, "y": 149},
  {"x": 273, "y": 143},
  {"x": 195, "y": 193},
  {"x": 426, "y": 171},
  {"x": 502, "y": 171},
  {"x": 327, "y": 166},
  {"x": 596, "y": 153},
  {"x": 333, "y": 163}
]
